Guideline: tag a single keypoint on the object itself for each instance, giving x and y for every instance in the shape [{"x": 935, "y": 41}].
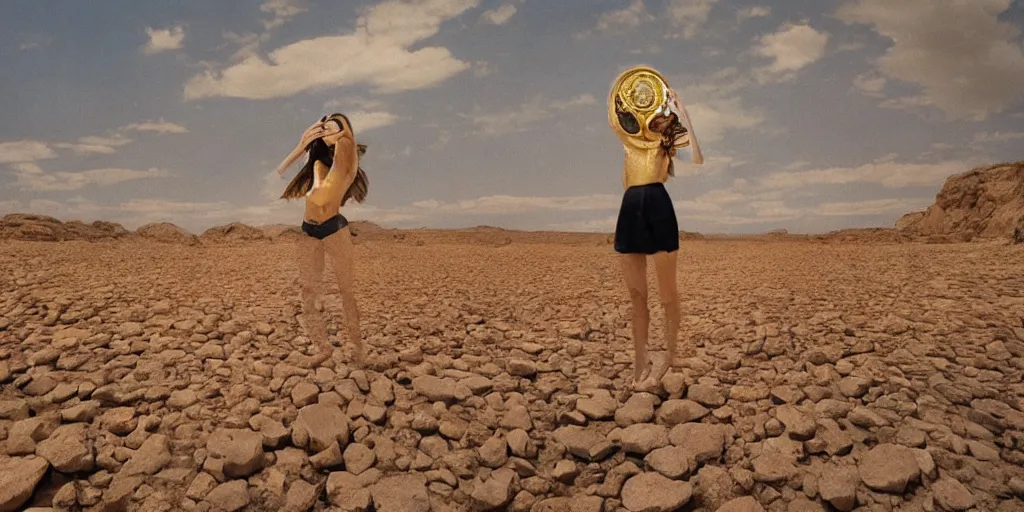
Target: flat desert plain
[{"x": 815, "y": 376}]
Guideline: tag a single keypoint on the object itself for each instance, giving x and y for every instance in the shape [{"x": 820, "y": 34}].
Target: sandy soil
[{"x": 149, "y": 376}]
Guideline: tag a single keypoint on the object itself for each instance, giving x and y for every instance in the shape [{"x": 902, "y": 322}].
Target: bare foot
[
  {"x": 654, "y": 377},
  {"x": 643, "y": 369},
  {"x": 359, "y": 356}
]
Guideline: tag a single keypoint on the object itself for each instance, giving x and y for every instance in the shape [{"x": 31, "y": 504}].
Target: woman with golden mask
[
  {"x": 330, "y": 177},
  {"x": 649, "y": 120}
]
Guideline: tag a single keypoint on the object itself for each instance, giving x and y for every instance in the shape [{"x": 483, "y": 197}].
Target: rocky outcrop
[
  {"x": 985, "y": 202},
  {"x": 236, "y": 231},
  {"x": 43, "y": 228},
  {"x": 167, "y": 233}
]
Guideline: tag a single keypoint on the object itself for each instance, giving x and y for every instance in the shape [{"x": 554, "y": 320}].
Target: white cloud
[
  {"x": 791, "y": 48},
  {"x": 713, "y": 104},
  {"x": 690, "y": 15},
  {"x": 482, "y": 68},
  {"x": 756, "y": 11},
  {"x": 870, "y": 84},
  {"x": 521, "y": 118},
  {"x": 884, "y": 171},
  {"x": 30, "y": 176},
  {"x": 159, "y": 126},
  {"x": 997, "y": 136},
  {"x": 500, "y": 15},
  {"x": 364, "y": 121},
  {"x": 623, "y": 19},
  {"x": 95, "y": 145},
  {"x": 281, "y": 11},
  {"x": 163, "y": 39},
  {"x": 24, "y": 151},
  {"x": 714, "y": 118},
  {"x": 968, "y": 63},
  {"x": 377, "y": 53},
  {"x": 898, "y": 206}
]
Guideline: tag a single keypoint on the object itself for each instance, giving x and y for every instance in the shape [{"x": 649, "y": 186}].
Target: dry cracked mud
[{"x": 157, "y": 377}]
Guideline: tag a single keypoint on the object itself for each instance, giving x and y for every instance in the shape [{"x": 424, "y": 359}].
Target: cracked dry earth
[{"x": 156, "y": 377}]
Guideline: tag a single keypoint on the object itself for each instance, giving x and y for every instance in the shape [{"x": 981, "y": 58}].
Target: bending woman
[
  {"x": 329, "y": 179},
  {"x": 648, "y": 119}
]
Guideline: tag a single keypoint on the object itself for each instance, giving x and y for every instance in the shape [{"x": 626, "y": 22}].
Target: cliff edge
[{"x": 984, "y": 202}]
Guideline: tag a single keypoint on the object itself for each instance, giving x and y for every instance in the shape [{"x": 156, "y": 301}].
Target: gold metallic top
[{"x": 638, "y": 96}]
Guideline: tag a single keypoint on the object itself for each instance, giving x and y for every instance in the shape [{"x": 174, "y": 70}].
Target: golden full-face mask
[{"x": 638, "y": 96}]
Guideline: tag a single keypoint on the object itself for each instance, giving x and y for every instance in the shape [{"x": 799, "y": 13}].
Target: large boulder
[
  {"x": 43, "y": 228},
  {"x": 985, "y": 202},
  {"x": 167, "y": 233},
  {"x": 236, "y": 231}
]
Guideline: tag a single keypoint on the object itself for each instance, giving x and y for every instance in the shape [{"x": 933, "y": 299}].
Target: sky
[{"x": 812, "y": 115}]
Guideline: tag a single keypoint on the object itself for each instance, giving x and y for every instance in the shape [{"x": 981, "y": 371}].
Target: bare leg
[
  {"x": 665, "y": 266},
  {"x": 634, "y": 268},
  {"x": 311, "y": 267},
  {"x": 340, "y": 250}
]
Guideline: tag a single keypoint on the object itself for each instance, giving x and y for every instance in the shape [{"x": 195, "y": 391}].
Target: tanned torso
[
  {"x": 645, "y": 162},
  {"x": 325, "y": 201}
]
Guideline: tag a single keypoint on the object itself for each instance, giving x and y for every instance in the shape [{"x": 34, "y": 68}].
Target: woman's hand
[{"x": 315, "y": 131}]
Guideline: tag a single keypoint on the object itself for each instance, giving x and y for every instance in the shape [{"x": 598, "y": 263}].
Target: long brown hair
[
  {"x": 673, "y": 133},
  {"x": 319, "y": 150}
]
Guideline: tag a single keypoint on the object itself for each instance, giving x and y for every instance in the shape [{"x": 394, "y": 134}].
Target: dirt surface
[{"x": 154, "y": 376}]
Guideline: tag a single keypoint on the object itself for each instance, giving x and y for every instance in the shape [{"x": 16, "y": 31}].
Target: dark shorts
[
  {"x": 325, "y": 228},
  {"x": 647, "y": 221}
]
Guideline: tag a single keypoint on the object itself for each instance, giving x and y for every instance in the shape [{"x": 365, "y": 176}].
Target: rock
[
  {"x": 229, "y": 496},
  {"x": 301, "y": 496},
  {"x": 639, "y": 408},
  {"x": 68, "y": 450},
  {"x": 358, "y": 458},
  {"x": 584, "y": 442},
  {"x": 577, "y": 503},
  {"x": 565, "y": 471},
  {"x": 18, "y": 479},
  {"x": 798, "y": 425},
  {"x": 671, "y": 461},
  {"x": 273, "y": 431},
  {"x": 705, "y": 442},
  {"x": 440, "y": 390},
  {"x": 406, "y": 492},
  {"x": 985, "y": 201},
  {"x": 706, "y": 395},
  {"x": 601, "y": 406},
  {"x": 642, "y": 438},
  {"x": 521, "y": 368},
  {"x": 674, "y": 412},
  {"x": 182, "y": 398},
  {"x": 320, "y": 425},
  {"x": 652, "y": 492},
  {"x": 744, "y": 504},
  {"x": 304, "y": 393},
  {"x": 495, "y": 492},
  {"x": 889, "y": 468},
  {"x": 951, "y": 495},
  {"x": 838, "y": 486},
  {"x": 240, "y": 449},
  {"x": 866, "y": 418},
  {"x": 201, "y": 485},
  {"x": 773, "y": 468},
  {"x": 150, "y": 458}
]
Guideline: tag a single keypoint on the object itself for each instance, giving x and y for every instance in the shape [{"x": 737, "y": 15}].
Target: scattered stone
[
  {"x": 652, "y": 492},
  {"x": 889, "y": 468}
]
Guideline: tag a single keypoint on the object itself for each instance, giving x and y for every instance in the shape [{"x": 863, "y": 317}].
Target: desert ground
[{"x": 154, "y": 376}]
